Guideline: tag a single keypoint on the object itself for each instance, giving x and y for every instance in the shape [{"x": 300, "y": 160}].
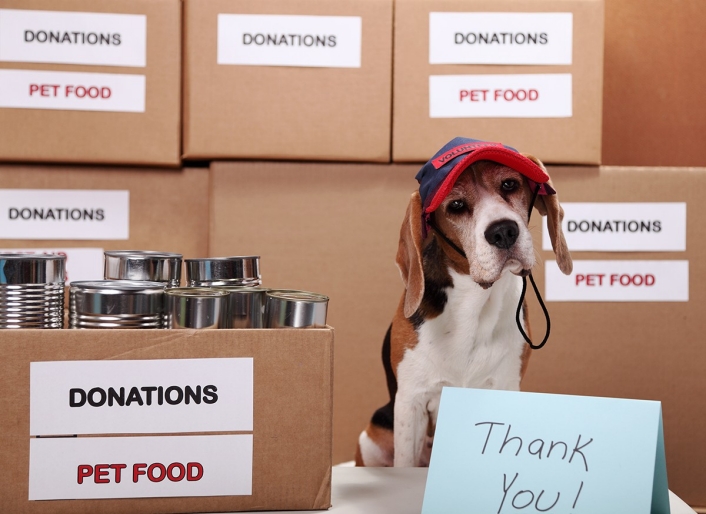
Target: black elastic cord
[
  {"x": 536, "y": 292},
  {"x": 448, "y": 241},
  {"x": 453, "y": 245}
]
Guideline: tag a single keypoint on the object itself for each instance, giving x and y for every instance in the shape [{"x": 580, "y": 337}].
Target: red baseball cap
[{"x": 438, "y": 176}]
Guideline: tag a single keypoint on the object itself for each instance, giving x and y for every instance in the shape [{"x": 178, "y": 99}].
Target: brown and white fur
[{"x": 455, "y": 324}]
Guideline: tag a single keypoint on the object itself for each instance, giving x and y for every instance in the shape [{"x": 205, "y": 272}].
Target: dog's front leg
[{"x": 411, "y": 420}]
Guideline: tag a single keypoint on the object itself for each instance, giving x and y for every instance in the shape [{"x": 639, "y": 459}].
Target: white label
[
  {"x": 81, "y": 263},
  {"x": 500, "y": 38},
  {"x": 75, "y": 214},
  {"x": 72, "y": 91},
  {"x": 623, "y": 227},
  {"x": 141, "y": 397},
  {"x": 140, "y": 467},
  {"x": 619, "y": 281},
  {"x": 500, "y": 96},
  {"x": 289, "y": 40},
  {"x": 73, "y": 38}
]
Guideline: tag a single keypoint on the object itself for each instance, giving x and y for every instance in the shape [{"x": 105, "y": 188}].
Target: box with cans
[{"x": 217, "y": 412}]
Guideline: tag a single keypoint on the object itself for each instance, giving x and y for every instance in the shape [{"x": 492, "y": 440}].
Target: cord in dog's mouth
[{"x": 517, "y": 267}]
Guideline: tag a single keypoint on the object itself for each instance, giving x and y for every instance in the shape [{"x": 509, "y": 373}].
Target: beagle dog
[{"x": 464, "y": 246}]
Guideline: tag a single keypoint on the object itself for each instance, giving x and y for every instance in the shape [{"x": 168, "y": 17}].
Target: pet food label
[
  {"x": 619, "y": 281},
  {"x": 500, "y": 38},
  {"x": 289, "y": 40},
  {"x": 72, "y": 91},
  {"x": 140, "y": 397},
  {"x": 508, "y": 452},
  {"x": 75, "y": 214},
  {"x": 73, "y": 38},
  {"x": 622, "y": 227},
  {"x": 70, "y": 468},
  {"x": 500, "y": 96},
  {"x": 81, "y": 263}
]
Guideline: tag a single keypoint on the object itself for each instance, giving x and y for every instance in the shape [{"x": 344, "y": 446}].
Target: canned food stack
[
  {"x": 140, "y": 290},
  {"x": 32, "y": 290},
  {"x": 116, "y": 304}
]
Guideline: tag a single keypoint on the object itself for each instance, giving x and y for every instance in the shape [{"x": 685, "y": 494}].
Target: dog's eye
[
  {"x": 456, "y": 206},
  {"x": 509, "y": 185}
]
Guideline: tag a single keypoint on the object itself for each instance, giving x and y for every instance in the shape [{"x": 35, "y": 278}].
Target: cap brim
[{"x": 501, "y": 155}]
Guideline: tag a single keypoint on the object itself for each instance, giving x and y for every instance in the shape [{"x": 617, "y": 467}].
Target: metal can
[
  {"x": 143, "y": 266},
  {"x": 246, "y": 306},
  {"x": 223, "y": 271},
  {"x": 32, "y": 290},
  {"x": 295, "y": 309},
  {"x": 116, "y": 304},
  {"x": 197, "y": 307}
]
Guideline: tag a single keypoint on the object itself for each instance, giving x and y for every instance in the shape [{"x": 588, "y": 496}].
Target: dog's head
[{"x": 485, "y": 214}]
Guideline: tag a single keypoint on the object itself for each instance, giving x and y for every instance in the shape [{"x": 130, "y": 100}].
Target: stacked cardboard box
[
  {"x": 331, "y": 228},
  {"x": 653, "y": 110},
  {"x": 647, "y": 347},
  {"x": 113, "y": 209},
  {"x": 276, "y": 79},
  {"x": 88, "y": 82},
  {"x": 528, "y": 74}
]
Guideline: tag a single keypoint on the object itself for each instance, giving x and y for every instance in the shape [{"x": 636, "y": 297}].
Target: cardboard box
[
  {"x": 291, "y": 424},
  {"x": 527, "y": 94},
  {"x": 653, "y": 113},
  {"x": 641, "y": 349},
  {"x": 91, "y": 82},
  {"x": 330, "y": 228},
  {"x": 314, "y": 99},
  {"x": 164, "y": 210}
]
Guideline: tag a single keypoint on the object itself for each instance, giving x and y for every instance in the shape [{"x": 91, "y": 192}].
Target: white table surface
[{"x": 398, "y": 491}]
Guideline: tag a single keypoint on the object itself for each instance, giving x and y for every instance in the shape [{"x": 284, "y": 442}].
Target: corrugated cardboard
[
  {"x": 149, "y": 138},
  {"x": 330, "y": 228},
  {"x": 640, "y": 350},
  {"x": 416, "y": 136},
  {"x": 653, "y": 110},
  {"x": 292, "y": 411},
  {"x": 274, "y": 112},
  {"x": 168, "y": 208}
]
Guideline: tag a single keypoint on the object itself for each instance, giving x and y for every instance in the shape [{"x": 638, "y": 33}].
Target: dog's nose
[{"x": 502, "y": 234}]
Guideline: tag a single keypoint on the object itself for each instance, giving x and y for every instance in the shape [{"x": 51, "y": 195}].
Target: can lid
[
  {"x": 197, "y": 292},
  {"x": 19, "y": 256},
  {"x": 296, "y": 295},
  {"x": 231, "y": 258},
  {"x": 242, "y": 289},
  {"x": 141, "y": 254},
  {"x": 117, "y": 286}
]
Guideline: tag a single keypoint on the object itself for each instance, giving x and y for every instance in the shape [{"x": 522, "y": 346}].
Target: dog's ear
[
  {"x": 409, "y": 255},
  {"x": 548, "y": 205}
]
